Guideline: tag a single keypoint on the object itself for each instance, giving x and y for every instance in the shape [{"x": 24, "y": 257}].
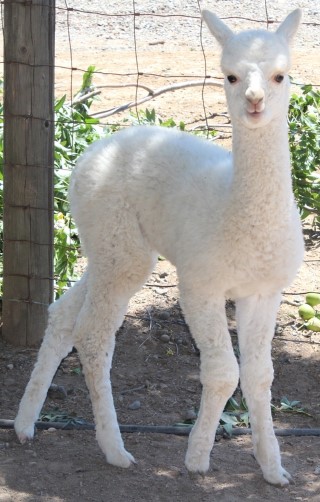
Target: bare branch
[
  {"x": 84, "y": 97},
  {"x": 153, "y": 94},
  {"x": 116, "y": 86}
]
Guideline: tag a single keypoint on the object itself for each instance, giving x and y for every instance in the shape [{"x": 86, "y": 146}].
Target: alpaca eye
[
  {"x": 279, "y": 78},
  {"x": 232, "y": 79}
]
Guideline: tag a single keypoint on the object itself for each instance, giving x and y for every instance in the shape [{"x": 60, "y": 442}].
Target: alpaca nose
[{"x": 254, "y": 95}]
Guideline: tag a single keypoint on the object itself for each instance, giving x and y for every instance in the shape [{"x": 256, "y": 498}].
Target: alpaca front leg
[
  {"x": 219, "y": 376},
  {"x": 256, "y": 316},
  {"x": 56, "y": 345}
]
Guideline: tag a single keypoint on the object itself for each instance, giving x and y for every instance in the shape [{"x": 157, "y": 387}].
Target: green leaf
[{"x": 59, "y": 103}]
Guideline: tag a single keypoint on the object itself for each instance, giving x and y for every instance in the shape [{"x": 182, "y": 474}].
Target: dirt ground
[
  {"x": 156, "y": 366},
  {"x": 191, "y": 105}
]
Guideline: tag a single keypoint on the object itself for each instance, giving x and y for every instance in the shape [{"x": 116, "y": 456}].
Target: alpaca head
[{"x": 255, "y": 64}]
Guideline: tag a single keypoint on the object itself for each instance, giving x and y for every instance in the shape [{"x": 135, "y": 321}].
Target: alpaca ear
[
  {"x": 219, "y": 30},
  {"x": 289, "y": 26}
]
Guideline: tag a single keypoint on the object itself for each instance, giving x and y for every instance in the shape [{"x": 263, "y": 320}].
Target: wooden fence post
[{"x": 28, "y": 168}]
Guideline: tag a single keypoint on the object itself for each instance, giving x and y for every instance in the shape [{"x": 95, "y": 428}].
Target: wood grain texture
[{"x": 28, "y": 168}]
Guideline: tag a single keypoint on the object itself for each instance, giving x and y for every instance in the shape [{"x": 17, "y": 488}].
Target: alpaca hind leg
[
  {"x": 219, "y": 374},
  {"x": 57, "y": 343},
  {"x": 256, "y": 316},
  {"x": 95, "y": 351},
  {"x": 101, "y": 316}
]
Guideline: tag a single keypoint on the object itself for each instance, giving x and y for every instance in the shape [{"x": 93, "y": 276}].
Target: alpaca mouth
[{"x": 255, "y": 114}]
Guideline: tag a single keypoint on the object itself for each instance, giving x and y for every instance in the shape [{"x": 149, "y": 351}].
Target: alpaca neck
[{"x": 262, "y": 178}]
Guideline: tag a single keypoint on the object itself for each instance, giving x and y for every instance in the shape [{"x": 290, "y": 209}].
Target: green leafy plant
[
  {"x": 304, "y": 139},
  {"x": 74, "y": 131},
  {"x": 287, "y": 406},
  {"x": 59, "y": 416},
  {"x": 236, "y": 414},
  {"x": 76, "y": 371},
  {"x": 149, "y": 117}
]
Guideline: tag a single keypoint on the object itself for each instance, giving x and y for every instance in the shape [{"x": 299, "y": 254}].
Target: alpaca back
[{"x": 174, "y": 183}]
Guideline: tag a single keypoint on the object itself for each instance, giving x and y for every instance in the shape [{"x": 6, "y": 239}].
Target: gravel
[{"x": 113, "y": 20}]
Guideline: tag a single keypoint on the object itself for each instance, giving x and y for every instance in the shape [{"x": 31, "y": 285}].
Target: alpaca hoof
[
  {"x": 278, "y": 478},
  {"x": 197, "y": 462},
  {"x": 120, "y": 458},
  {"x": 24, "y": 433}
]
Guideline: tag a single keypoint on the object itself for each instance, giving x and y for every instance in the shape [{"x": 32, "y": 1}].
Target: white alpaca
[{"x": 228, "y": 223}]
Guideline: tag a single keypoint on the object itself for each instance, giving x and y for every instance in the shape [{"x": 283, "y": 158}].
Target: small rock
[
  {"x": 161, "y": 291},
  {"x": 190, "y": 415},
  {"x": 135, "y": 405},
  {"x": 52, "y": 429},
  {"x": 165, "y": 338},
  {"x": 10, "y": 366},
  {"x": 164, "y": 315},
  {"x": 57, "y": 392},
  {"x": 317, "y": 470}
]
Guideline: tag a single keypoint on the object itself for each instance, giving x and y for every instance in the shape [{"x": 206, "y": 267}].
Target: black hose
[{"x": 179, "y": 430}]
